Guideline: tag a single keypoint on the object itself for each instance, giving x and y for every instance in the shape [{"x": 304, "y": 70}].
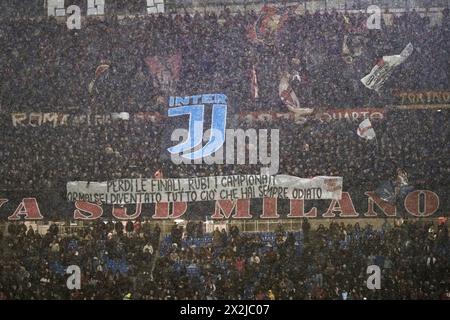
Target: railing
[{"x": 248, "y": 226}]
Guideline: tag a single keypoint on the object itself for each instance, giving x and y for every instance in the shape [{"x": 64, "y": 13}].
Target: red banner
[
  {"x": 422, "y": 97},
  {"x": 418, "y": 203},
  {"x": 353, "y": 114}
]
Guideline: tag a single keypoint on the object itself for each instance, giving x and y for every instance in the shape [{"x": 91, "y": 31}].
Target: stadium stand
[{"x": 91, "y": 105}]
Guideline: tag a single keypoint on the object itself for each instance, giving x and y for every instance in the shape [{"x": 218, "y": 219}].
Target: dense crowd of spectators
[
  {"x": 46, "y": 67},
  {"x": 327, "y": 262}
]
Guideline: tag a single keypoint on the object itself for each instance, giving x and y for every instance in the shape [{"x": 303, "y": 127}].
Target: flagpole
[{"x": 376, "y": 143}]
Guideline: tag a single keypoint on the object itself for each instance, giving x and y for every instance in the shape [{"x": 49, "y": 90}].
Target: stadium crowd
[
  {"x": 316, "y": 263},
  {"x": 47, "y": 68}
]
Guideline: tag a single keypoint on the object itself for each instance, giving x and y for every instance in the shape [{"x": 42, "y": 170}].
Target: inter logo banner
[
  {"x": 194, "y": 107},
  {"x": 132, "y": 191}
]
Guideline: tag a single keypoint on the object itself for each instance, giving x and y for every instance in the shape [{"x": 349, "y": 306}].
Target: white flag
[
  {"x": 384, "y": 68},
  {"x": 365, "y": 130}
]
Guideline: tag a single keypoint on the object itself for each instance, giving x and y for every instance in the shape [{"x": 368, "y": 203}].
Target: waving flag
[
  {"x": 100, "y": 71},
  {"x": 286, "y": 92},
  {"x": 384, "y": 69},
  {"x": 365, "y": 130},
  {"x": 165, "y": 70},
  {"x": 395, "y": 190},
  {"x": 386, "y": 191},
  {"x": 270, "y": 21},
  {"x": 254, "y": 83}
]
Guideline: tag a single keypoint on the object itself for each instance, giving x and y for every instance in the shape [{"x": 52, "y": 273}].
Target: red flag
[
  {"x": 271, "y": 20},
  {"x": 170, "y": 65}
]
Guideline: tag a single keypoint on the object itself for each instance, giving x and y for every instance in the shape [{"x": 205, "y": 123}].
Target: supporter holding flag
[{"x": 292, "y": 79}]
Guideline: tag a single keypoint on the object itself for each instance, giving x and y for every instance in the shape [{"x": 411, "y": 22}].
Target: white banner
[{"x": 131, "y": 191}]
